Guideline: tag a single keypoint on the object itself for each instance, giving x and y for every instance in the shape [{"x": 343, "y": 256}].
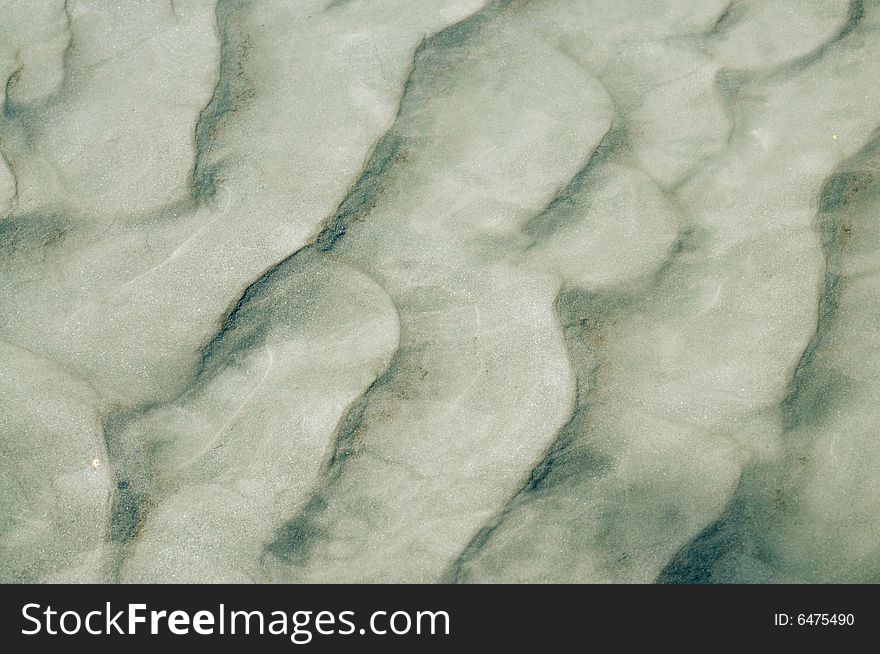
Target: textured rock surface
[{"x": 456, "y": 290}]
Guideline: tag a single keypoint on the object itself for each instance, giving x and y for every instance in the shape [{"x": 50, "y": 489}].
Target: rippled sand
[{"x": 447, "y": 290}]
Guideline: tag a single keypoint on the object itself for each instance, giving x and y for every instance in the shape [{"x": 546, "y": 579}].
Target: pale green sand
[{"x": 440, "y": 290}]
